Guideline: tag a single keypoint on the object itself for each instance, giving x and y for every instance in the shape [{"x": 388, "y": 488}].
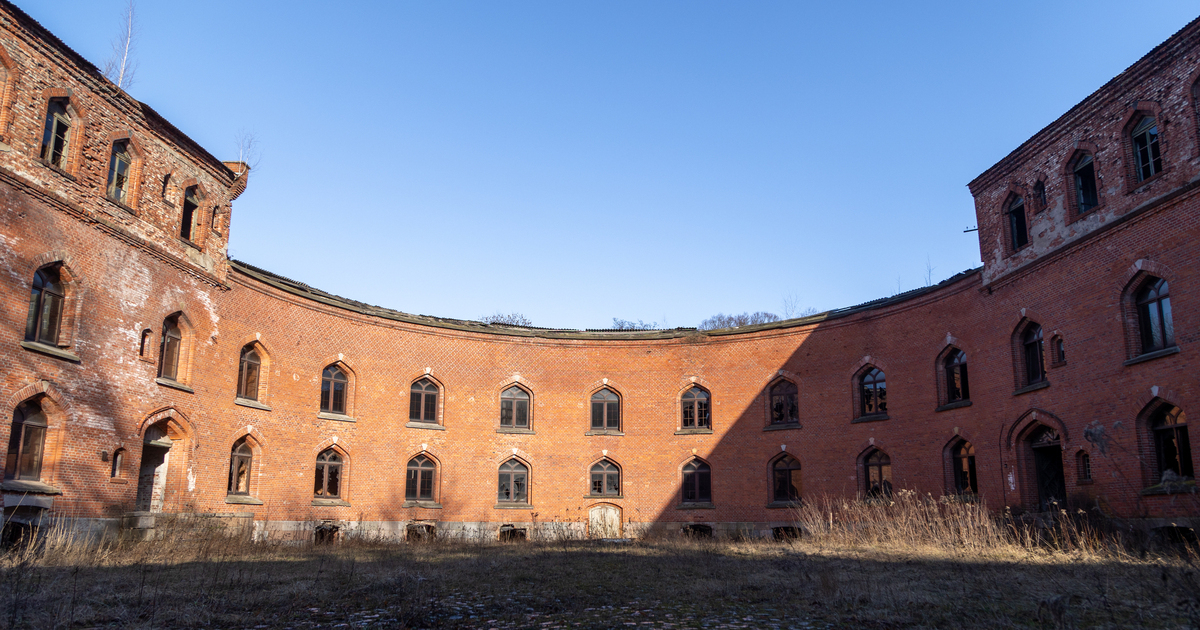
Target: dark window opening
[
  {"x": 965, "y": 481},
  {"x": 878, "y": 479},
  {"x": 957, "y": 386},
  {"x": 57, "y": 134},
  {"x": 1171, "y": 446},
  {"x": 168, "y": 355},
  {"x": 119, "y": 165},
  {"x": 326, "y": 534},
  {"x": 606, "y": 410},
  {"x": 118, "y": 463},
  {"x": 45, "y": 307},
  {"x": 328, "y": 483},
  {"x": 191, "y": 212},
  {"x": 248, "y": 374},
  {"x": 696, "y": 409},
  {"x": 697, "y": 482},
  {"x": 785, "y": 475},
  {"x": 514, "y": 483},
  {"x": 514, "y": 408},
  {"x": 1032, "y": 349},
  {"x": 1084, "y": 466},
  {"x": 1017, "y": 228},
  {"x": 240, "y": 460},
  {"x": 697, "y": 530},
  {"x": 144, "y": 342},
  {"x": 508, "y": 533},
  {"x": 1148, "y": 160},
  {"x": 785, "y": 533},
  {"x": 26, "y": 443},
  {"x": 1154, "y": 316},
  {"x": 1060, "y": 350},
  {"x": 873, "y": 390},
  {"x": 784, "y": 406},
  {"x": 418, "y": 485},
  {"x": 606, "y": 478},
  {"x": 1039, "y": 194},
  {"x": 418, "y": 533},
  {"x": 422, "y": 402},
  {"x": 1087, "y": 196},
  {"x": 333, "y": 390}
]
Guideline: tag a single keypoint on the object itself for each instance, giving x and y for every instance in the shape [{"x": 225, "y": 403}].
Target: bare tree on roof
[
  {"x": 721, "y": 320},
  {"x": 121, "y": 65},
  {"x": 509, "y": 319}
]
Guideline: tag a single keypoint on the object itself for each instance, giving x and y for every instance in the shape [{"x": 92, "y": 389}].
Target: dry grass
[{"x": 916, "y": 562}]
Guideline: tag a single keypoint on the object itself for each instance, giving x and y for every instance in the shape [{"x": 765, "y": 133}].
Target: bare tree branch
[
  {"x": 721, "y": 320},
  {"x": 510, "y": 319},
  {"x": 248, "y": 150},
  {"x": 121, "y": 66}
]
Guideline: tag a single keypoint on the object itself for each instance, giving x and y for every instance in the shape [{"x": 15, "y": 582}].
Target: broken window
[
  {"x": 785, "y": 474},
  {"x": 606, "y": 479},
  {"x": 957, "y": 387},
  {"x": 191, "y": 213},
  {"x": 1154, "y": 315},
  {"x": 1018, "y": 231},
  {"x": 45, "y": 306},
  {"x": 56, "y": 137},
  {"x": 239, "y": 467},
  {"x": 328, "y": 482},
  {"x": 1031, "y": 344},
  {"x": 419, "y": 484},
  {"x": 168, "y": 356},
  {"x": 964, "y": 468},
  {"x": 874, "y": 392},
  {"x": 784, "y": 409},
  {"x": 248, "y": 373},
  {"x": 1145, "y": 149},
  {"x": 1087, "y": 196},
  {"x": 513, "y": 486},
  {"x": 514, "y": 408},
  {"x": 697, "y": 482},
  {"x": 333, "y": 390},
  {"x": 878, "y": 479},
  {"x": 326, "y": 533},
  {"x": 118, "y": 172},
  {"x": 697, "y": 530},
  {"x": 1171, "y": 446},
  {"x": 695, "y": 409},
  {"x": 26, "y": 443},
  {"x": 422, "y": 403},
  {"x": 420, "y": 532},
  {"x": 508, "y": 533},
  {"x": 606, "y": 410}
]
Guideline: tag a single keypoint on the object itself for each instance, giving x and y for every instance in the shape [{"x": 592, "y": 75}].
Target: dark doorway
[{"x": 1048, "y": 469}]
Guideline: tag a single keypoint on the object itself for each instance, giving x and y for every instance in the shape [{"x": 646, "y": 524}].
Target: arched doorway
[
  {"x": 604, "y": 521},
  {"x": 152, "y": 476},
  {"x": 1048, "y": 468}
]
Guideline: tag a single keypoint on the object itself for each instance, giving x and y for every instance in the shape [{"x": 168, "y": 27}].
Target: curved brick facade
[{"x": 126, "y": 271}]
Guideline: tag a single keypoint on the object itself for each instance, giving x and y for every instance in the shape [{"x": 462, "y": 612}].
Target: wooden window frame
[
  {"x": 955, "y": 364},
  {"x": 1016, "y": 217},
  {"x": 330, "y": 383},
  {"x": 1168, "y": 428},
  {"x": 962, "y": 457},
  {"x": 697, "y": 482},
  {"x": 1080, "y": 187},
  {"x": 783, "y": 474},
  {"x": 240, "y": 454},
  {"x": 46, "y": 293},
  {"x": 29, "y": 428},
  {"x": 330, "y": 464},
  {"x": 53, "y": 152},
  {"x": 1145, "y": 138},
  {"x": 696, "y": 409},
  {"x": 783, "y": 403},
  {"x": 120, "y": 184},
  {"x": 607, "y": 408},
  {"x": 877, "y": 459},
  {"x": 170, "y": 349},
  {"x": 515, "y": 474},
  {"x": 874, "y": 381},
  {"x": 420, "y": 480},
  {"x": 606, "y": 472},
  {"x": 423, "y": 401},
  {"x": 1033, "y": 354},
  {"x": 1153, "y": 301},
  {"x": 511, "y": 407},
  {"x": 249, "y": 383}
]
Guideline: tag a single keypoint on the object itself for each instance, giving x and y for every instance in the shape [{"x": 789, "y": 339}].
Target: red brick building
[{"x": 146, "y": 374}]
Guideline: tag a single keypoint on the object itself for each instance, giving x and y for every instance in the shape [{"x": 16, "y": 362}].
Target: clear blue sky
[{"x": 579, "y": 161}]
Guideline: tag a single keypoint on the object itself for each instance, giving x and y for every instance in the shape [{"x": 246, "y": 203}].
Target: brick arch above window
[
  {"x": 338, "y": 361},
  {"x": 179, "y": 426},
  {"x": 200, "y": 225},
  {"x": 77, "y": 135},
  {"x": 137, "y": 163},
  {"x": 1079, "y": 151},
  {"x": 1140, "y": 111},
  {"x": 74, "y": 292},
  {"x": 1020, "y": 429},
  {"x": 1137, "y": 278},
  {"x": 437, "y": 422}
]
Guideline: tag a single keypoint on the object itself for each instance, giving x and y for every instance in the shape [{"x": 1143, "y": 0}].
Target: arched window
[
  {"x": 606, "y": 410},
  {"x": 418, "y": 486},
  {"x": 878, "y": 478},
  {"x": 1083, "y": 466},
  {"x": 514, "y": 408},
  {"x": 168, "y": 355},
  {"x": 873, "y": 389},
  {"x": 696, "y": 409},
  {"x": 45, "y": 307},
  {"x": 239, "y": 468},
  {"x": 957, "y": 387},
  {"x": 514, "y": 483},
  {"x": 784, "y": 408},
  {"x": 1018, "y": 231},
  {"x": 191, "y": 213},
  {"x": 422, "y": 401},
  {"x": 606, "y": 479},
  {"x": 1032, "y": 350},
  {"x": 119, "y": 166},
  {"x": 1039, "y": 195},
  {"x": 26, "y": 443},
  {"x": 785, "y": 476},
  {"x": 118, "y": 463},
  {"x": 1087, "y": 196},
  {"x": 964, "y": 468},
  {"x": 1154, "y": 316},
  {"x": 333, "y": 390},
  {"x": 697, "y": 482},
  {"x": 1148, "y": 160},
  {"x": 1171, "y": 446},
  {"x": 248, "y": 373},
  {"x": 328, "y": 482},
  {"x": 57, "y": 134}
]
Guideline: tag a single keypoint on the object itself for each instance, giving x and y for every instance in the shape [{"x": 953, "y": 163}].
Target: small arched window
[
  {"x": 26, "y": 443},
  {"x": 606, "y": 410},
  {"x": 696, "y": 409},
  {"x": 248, "y": 373},
  {"x": 514, "y": 483},
  {"x": 45, "y": 307},
  {"x": 1087, "y": 196},
  {"x": 333, "y": 390},
  {"x": 873, "y": 389},
  {"x": 1171, "y": 446},
  {"x": 1154, "y": 316},
  {"x": 697, "y": 482},
  {"x": 606, "y": 479},
  {"x": 785, "y": 475},
  {"x": 168, "y": 355},
  {"x": 957, "y": 387},
  {"x": 1033, "y": 351},
  {"x": 964, "y": 469},
  {"x": 514, "y": 408},
  {"x": 1083, "y": 466},
  {"x": 119, "y": 166},
  {"x": 328, "y": 482},
  {"x": 1039, "y": 195},
  {"x": 422, "y": 401},
  {"x": 191, "y": 213},
  {"x": 784, "y": 407},
  {"x": 1147, "y": 158},
  {"x": 1018, "y": 230},
  {"x": 240, "y": 460},
  {"x": 118, "y": 464},
  {"x": 418, "y": 485},
  {"x": 878, "y": 478},
  {"x": 57, "y": 134}
]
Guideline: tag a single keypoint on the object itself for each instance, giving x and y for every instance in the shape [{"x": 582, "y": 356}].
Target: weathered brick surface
[{"x": 128, "y": 272}]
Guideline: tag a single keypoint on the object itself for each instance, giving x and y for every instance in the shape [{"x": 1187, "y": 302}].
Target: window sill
[
  {"x": 604, "y": 496},
  {"x": 58, "y": 170},
  {"x": 1150, "y": 356},
  {"x": 120, "y": 205},
  {"x": 784, "y": 505},
  {"x": 335, "y": 416},
  {"x": 1085, "y": 482},
  {"x": 964, "y": 497},
  {"x": 432, "y": 426},
  {"x": 785, "y": 426},
  {"x": 253, "y": 404},
  {"x": 166, "y": 382},
  {"x": 954, "y": 405},
  {"x": 516, "y": 431},
  {"x": 32, "y": 487},
  {"x": 1076, "y": 215},
  {"x": 118, "y": 480},
  {"x": 694, "y": 431},
  {"x": 1174, "y": 487},
  {"x": 241, "y": 499},
  {"x": 50, "y": 351},
  {"x": 695, "y": 506},
  {"x": 429, "y": 505},
  {"x": 875, "y": 417},
  {"x": 330, "y": 503},
  {"x": 513, "y": 506},
  {"x": 1140, "y": 186},
  {"x": 1032, "y": 388},
  {"x": 189, "y": 243},
  {"x": 604, "y": 432}
]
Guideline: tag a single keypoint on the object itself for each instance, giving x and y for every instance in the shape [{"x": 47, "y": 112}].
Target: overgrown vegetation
[{"x": 910, "y": 561}]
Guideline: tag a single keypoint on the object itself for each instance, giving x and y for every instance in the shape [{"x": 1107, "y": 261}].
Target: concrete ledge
[
  {"x": 784, "y": 505},
  {"x": 604, "y": 432},
  {"x": 432, "y": 426},
  {"x": 875, "y": 417},
  {"x": 695, "y": 431},
  {"x": 1032, "y": 388},
  {"x": 512, "y": 506},
  {"x": 958, "y": 404},
  {"x": 48, "y": 350},
  {"x": 324, "y": 415},
  {"x": 32, "y": 487},
  {"x": 241, "y": 499},
  {"x": 1150, "y": 356},
  {"x": 695, "y": 506},
  {"x": 516, "y": 431},
  {"x": 429, "y": 505},
  {"x": 783, "y": 426},
  {"x": 166, "y": 382},
  {"x": 253, "y": 404},
  {"x": 330, "y": 502}
]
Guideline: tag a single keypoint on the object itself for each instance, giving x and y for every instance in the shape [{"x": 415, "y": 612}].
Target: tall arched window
[
  {"x": 606, "y": 410},
  {"x": 785, "y": 479},
  {"x": 514, "y": 408},
  {"x": 1171, "y": 446},
  {"x": 696, "y": 409},
  {"x": 964, "y": 468},
  {"x": 1087, "y": 196},
  {"x": 119, "y": 166},
  {"x": 333, "y": 390},
  {"x": 26, "y": 443},
  {"x": 873, "y": 390},
  {"x": 422, "y": 401},
  {"x": 697, "y": 482},
  {"x": 1148, "y": 160},
  {"x": 248, "y": 373},
  {"x": 168, "y": 355},
  {"x": 191, "y": 213},
  {"x": 1154, "y": 316},
  {"x": 514, "y": 482},
  {"x": 418, "y": 485},
  {"x": 328, "y": 482},
  {"x": 240, "y": 460},
  {"x": 1032, "y": 350},
  {"x": 784, "y": 407},
  {"x": 606, "y": 479},
  {"x": 1018, "y": 231},
  {"x": 956, "y": 377},
  {"x": 877, "y": 481},
  {"x": 118, "y": 463},
  {"x": 45, "y": 307},
  {"x": 57, "y": 134}
]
